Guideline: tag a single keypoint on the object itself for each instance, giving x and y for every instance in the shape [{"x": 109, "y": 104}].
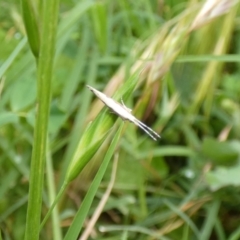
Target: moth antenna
[
  {"x": 148, "y": 128},
  {"x": 145, "y": 130}
]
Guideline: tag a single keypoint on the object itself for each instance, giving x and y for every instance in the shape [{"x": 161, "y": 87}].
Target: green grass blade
[
  {"x": 99, "y": 20},
  {"x": 56, "y": 228},
  {"x": 31, "y": 22},
  {"x": 184, "y": 216},
  {"x": 219, "y": 229},
  {"x": 152, "y": 234},
  {"x": 235, "y": 235},
  {"x": 81, "y": 215},
  {"x": 44, "y": 74},
  {"x": 76, "y": 73},
  {"x": 19, "y": 204},
  {"x": 56, "y": 200},
  {"x": 82, "y": 111},
  {"x": 7, "y": 63},
  {"x": 208, "y": 58},
  {"x": 74, "y": 15},
  {"x": 210, "y": 220}
]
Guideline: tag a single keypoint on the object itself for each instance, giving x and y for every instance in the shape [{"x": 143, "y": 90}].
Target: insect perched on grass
[{"x": 123, "y": 112}]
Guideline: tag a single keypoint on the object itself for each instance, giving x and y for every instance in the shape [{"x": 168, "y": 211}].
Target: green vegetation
[{"x": 70, "y": 169}]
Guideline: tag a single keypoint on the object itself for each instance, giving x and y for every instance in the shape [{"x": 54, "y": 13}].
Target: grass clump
[{"x": 175, "y": 65}]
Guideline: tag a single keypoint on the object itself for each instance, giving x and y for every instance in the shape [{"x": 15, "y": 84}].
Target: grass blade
[
  {"x": 81, "y": 215},
  {"x": 44, "y": 75}
]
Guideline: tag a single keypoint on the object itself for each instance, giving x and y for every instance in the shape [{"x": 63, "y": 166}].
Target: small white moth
[{"x": 122, "y": 111}]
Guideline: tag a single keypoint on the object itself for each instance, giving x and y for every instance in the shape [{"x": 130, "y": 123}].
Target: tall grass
[
  {"x": 41, "y": 26},
  {"x": 175, "y": 65}
]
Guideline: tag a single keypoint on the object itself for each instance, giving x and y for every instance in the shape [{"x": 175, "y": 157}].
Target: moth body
[{"x": 124, "y": 112}]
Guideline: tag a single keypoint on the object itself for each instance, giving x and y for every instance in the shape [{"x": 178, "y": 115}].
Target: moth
[{"x": 123, "y": 112}]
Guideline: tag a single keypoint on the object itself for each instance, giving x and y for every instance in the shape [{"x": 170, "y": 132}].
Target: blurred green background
[{"x": 184, "y": 186}]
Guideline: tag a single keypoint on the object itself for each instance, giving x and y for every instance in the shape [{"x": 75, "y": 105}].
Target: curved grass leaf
[{"x": 81, "y": 215}]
